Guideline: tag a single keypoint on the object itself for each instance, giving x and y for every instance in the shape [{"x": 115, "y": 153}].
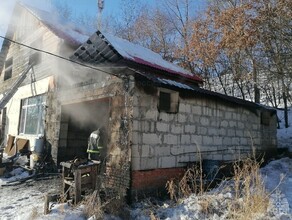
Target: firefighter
[{"x": 94, "y": 145}]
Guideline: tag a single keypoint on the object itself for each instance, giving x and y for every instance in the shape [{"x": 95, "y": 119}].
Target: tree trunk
[{"x": 285, "y": 109}]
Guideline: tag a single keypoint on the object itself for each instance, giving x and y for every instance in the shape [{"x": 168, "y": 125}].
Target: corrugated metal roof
[
  {"x": 195, "y": 90},
  {"x": 107, "y": 48}
]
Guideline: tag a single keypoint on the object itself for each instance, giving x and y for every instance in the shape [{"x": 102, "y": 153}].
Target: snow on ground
[
  {"x": 25, "y": 201},
  {"x": 284, "y": 135}
]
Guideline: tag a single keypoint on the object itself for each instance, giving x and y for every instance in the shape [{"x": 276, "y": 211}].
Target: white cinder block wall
[{"x": 218, "y": 131}]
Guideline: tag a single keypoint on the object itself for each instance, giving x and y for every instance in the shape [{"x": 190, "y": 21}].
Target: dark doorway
[{"x": 77, "y": 122}]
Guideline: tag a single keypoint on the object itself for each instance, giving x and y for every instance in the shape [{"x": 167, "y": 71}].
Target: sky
[
  {"x": 111, "y": 8},
  {"x": 78, "y": 6}
]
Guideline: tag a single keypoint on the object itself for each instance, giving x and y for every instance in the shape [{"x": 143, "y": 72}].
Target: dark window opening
[
  {"x": 168, "y": 101},
  {"x": 164, "y": 101},
  {"x": 265, "y": 118},
  {"x": 35, "y": 58},
  {"x": 8, "y": 69}
]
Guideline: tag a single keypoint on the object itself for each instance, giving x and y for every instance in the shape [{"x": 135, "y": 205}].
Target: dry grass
[
  {"x": 34, "y": 213},
  {"x": 92, "y": 206},
  {"x": 191, "y": 182},
  {"x": 249, "y": 197}
]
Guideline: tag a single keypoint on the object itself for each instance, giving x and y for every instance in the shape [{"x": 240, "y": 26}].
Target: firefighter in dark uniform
[{"x": 95, "y": 145}]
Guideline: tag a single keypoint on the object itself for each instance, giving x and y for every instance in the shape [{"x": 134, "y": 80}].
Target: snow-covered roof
[
  {"x": 123, "y": 48},
  {"x": 142, "y": 55},
  {"x": 100, "y": 48}
]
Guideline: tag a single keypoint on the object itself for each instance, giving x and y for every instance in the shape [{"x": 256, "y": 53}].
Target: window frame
[
  {"x": 8, "y": 69},
  {"x": 174, "y": 101},
  {"x": 25, "y": 105}
]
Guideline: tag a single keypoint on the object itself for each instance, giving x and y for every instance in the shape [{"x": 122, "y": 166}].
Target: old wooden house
[{"x": 156, "y": 118}]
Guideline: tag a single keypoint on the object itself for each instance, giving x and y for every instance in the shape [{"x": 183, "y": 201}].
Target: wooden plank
[{"x": 70, "y": 183}]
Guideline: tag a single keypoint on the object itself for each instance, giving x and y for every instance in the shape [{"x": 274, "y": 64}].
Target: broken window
[
  {"x": 168, "y": 101},
  {"x": 8, "y": 69},
  {"x": 32, "y": 115},
  {"x": 35, "y": 56}
]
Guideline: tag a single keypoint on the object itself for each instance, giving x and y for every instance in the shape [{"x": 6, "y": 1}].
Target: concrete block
[
  {"x": 167, "y": 162},
  {"x": 218, "y": 140},
  {"x": 151, "y": 139},
  {"x": 145, "y": 126},
  {"x": 232, "y": 124},
  {"x": 207, "y": 140},
  {"x": 152, "y": 126},
  {"x": 239, "y": 133},
  {"x": 147, "y": 151},
  {"x": 162, "y": 127},
  {"x": 162, "y": 151},
  {"x": 227, "y": 141},
  {"x": 136, "y": 137},
  {"x": 224, "y": 124},
  {"x": 240, "y": 125},
  {"x": 170, "y": 139},
  {"x": 212, "y": 131},
  {"x": 215, "y": 123},
  {"x": 204, "y": 121},
  {"x": 136, "y": 112},
  {"x": 235, "y": 141},
  {"x": 231, "y": 132},
  {"x": 188, "y": 108},
  {"x": 135, "y": 163},
  {"x": 185, "y": 139},
  {"x": 202, "y": 130},
  {"x": 235, "y": 116},
  {"x": 182, "y": 107},
  {"x": 222, "y": 132},
  {"x": 196, "y": 139},
  {"x": 163, "y": 116},
  {"x": 148, "y": 163},
  {"x": 243, "y": 141},
  {"x": 136, "y": 124},
  {"x": 228, "y": 115},
  {"x": 207, "y": 111},
  {"x": 197, "y": 110},
  {"x": 190, "y": 129},
  {"x": 136, "y": 151},
  {"x": 151, "y": 114},
  {"x": 182, "y": 118},
  {"x": 176, "y": 129}
]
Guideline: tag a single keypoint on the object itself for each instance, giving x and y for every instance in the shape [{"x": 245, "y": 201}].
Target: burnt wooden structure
[{"x": 78, "y": 179}]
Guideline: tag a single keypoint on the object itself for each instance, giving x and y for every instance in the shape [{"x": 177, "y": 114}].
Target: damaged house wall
[
  {"x": 31, "y": 32},
  {"x": 107, "y": 96}
]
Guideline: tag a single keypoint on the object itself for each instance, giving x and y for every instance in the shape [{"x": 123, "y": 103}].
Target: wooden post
[
  {"x": 77, "y": 179},
  {"x": 49, "y": 198}
]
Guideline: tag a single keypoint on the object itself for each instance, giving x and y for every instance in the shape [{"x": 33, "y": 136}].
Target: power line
[{"x": 55, "y": 55}]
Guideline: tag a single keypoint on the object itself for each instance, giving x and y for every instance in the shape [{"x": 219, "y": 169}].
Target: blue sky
[
  {"x": 78, "y": 6},
  {"x": 112, "y": 7}
]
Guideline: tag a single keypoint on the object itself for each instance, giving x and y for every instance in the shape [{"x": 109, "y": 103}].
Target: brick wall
[{"x": 152, "y": 181}]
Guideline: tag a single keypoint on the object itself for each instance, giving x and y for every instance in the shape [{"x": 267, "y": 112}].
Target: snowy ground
[
  {"x": 285, "y": 134},
  {"x": 25, "y": 201}
]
